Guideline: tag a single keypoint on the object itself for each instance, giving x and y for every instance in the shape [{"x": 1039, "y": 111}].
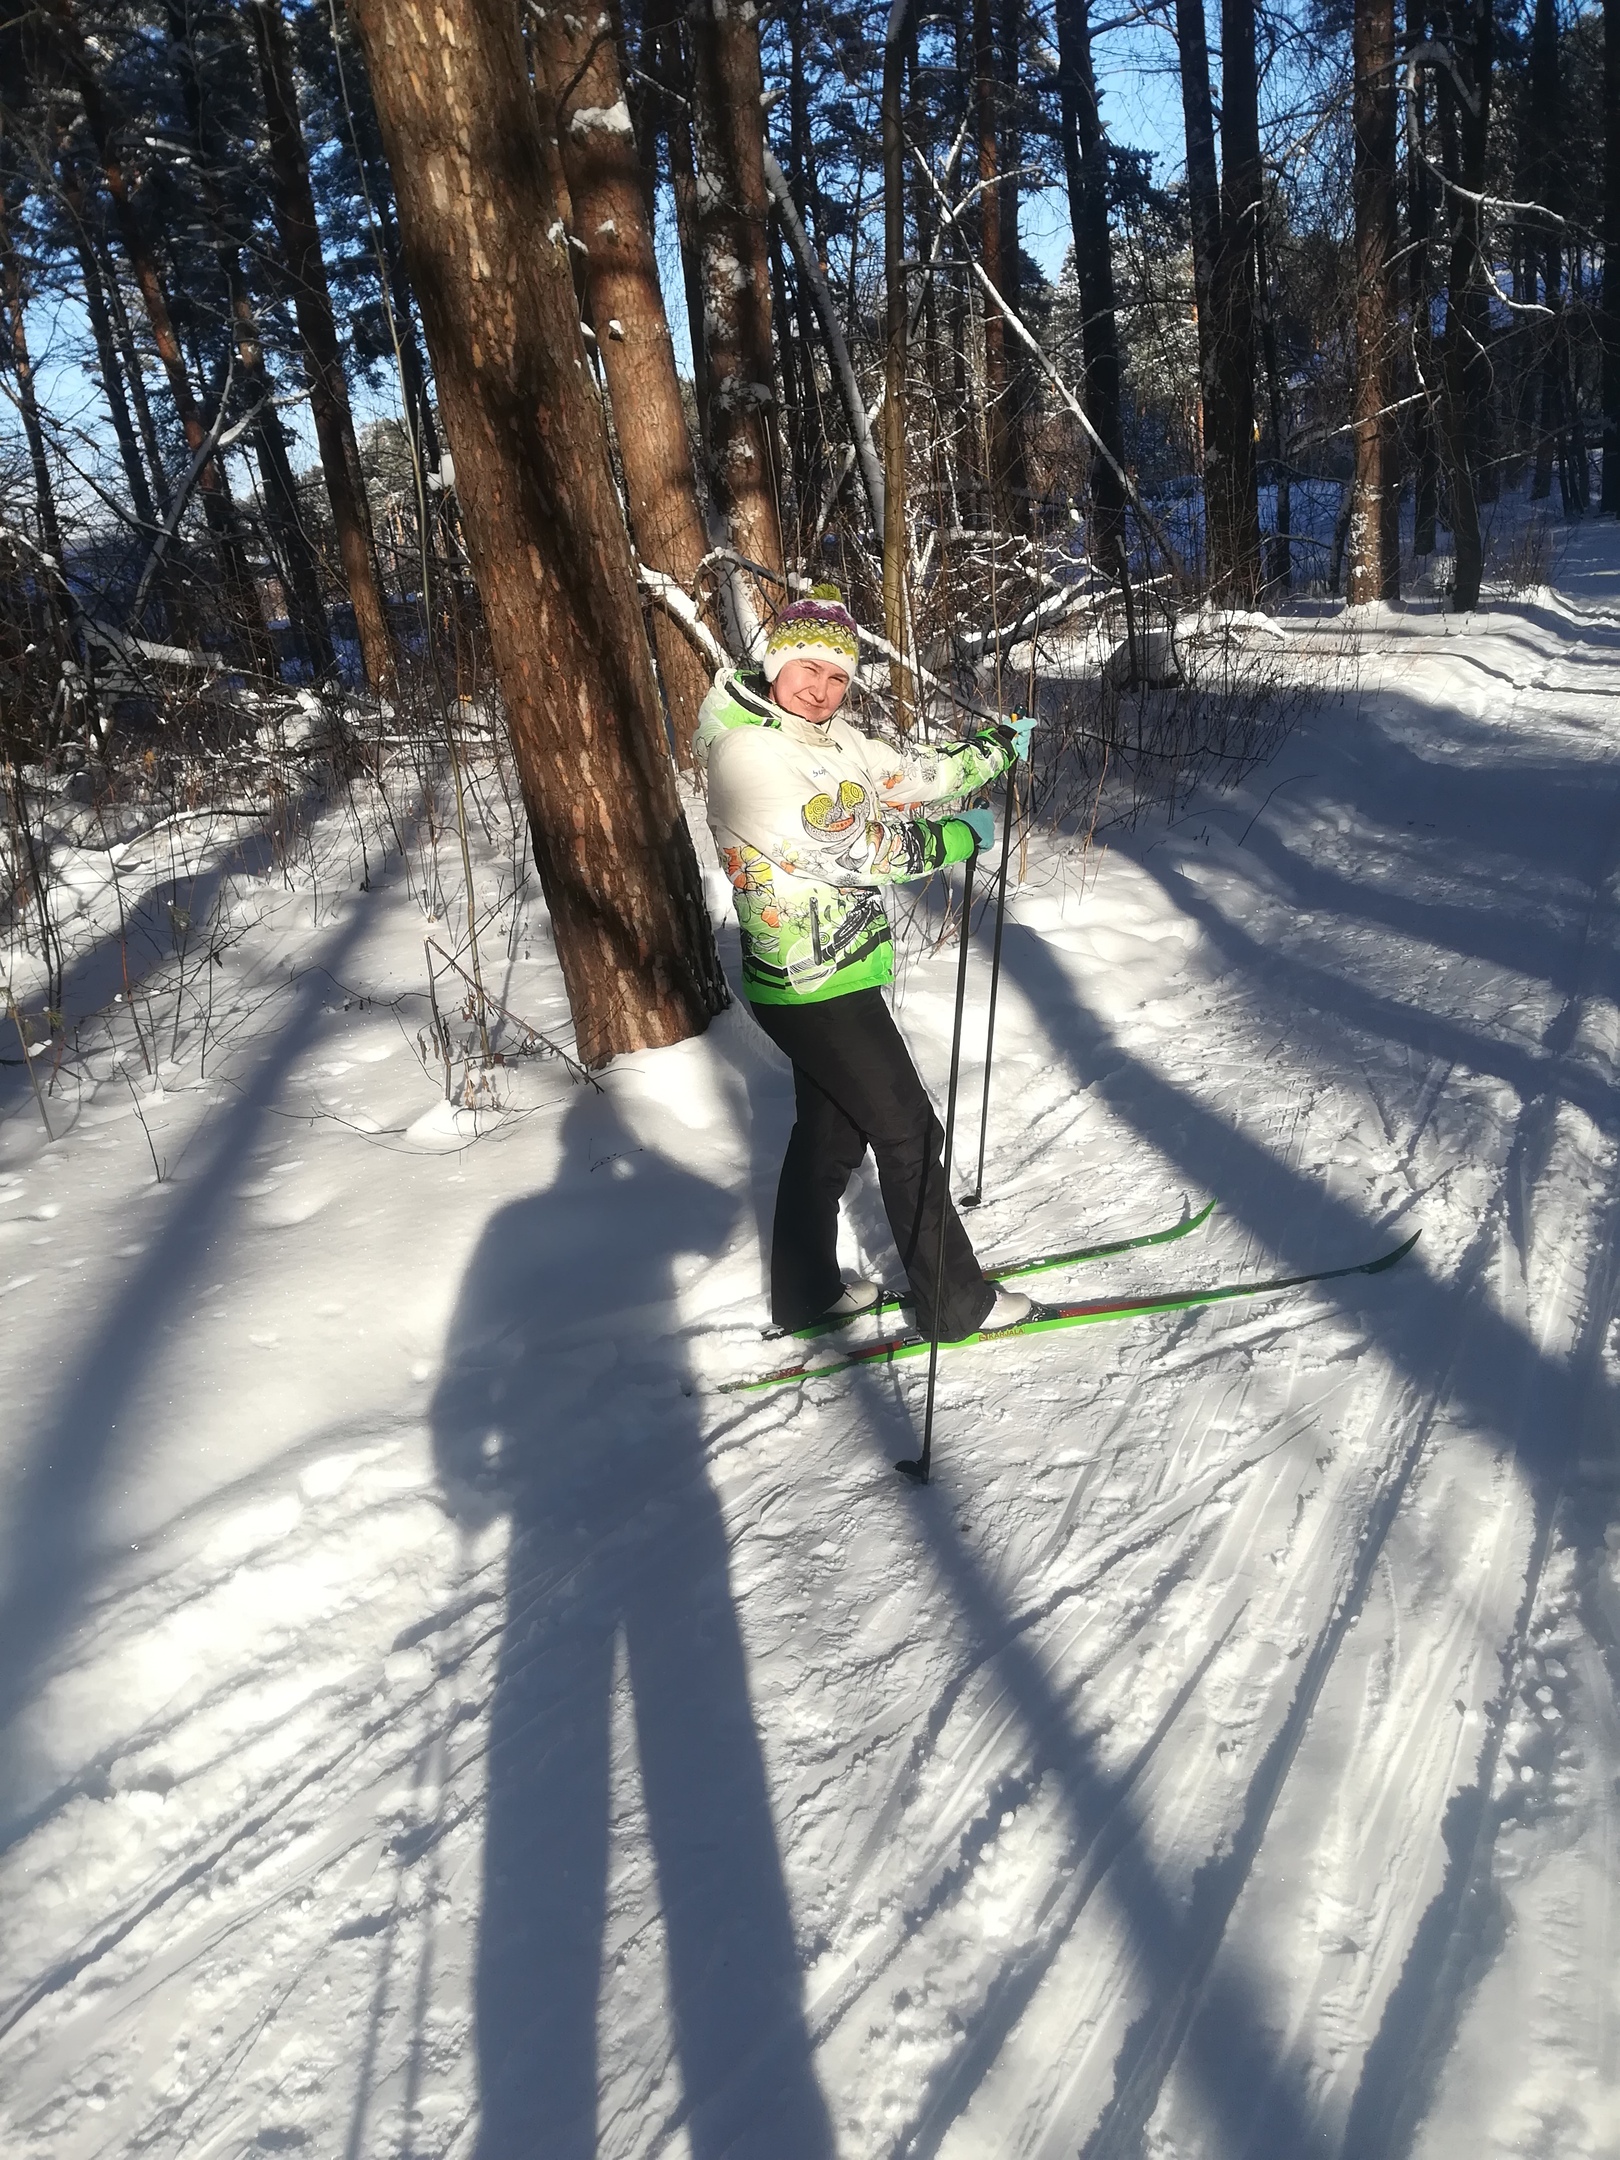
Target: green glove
[{"x": 982, "y": 826}]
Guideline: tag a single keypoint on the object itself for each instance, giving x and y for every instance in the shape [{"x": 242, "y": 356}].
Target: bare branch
[{"x": 1021, "y": 331}]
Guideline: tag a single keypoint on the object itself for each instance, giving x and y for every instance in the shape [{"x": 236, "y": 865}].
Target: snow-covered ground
[{"x": 439, "y": 1722}]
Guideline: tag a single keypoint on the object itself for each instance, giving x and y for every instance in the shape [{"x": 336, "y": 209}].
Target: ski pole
[
  {"x": 917, "y": 1470},
  {"x": 973, "y": 1198}
]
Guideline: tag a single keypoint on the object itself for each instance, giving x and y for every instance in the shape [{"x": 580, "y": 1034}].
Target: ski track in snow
[{"x": 438, "y": 1723}]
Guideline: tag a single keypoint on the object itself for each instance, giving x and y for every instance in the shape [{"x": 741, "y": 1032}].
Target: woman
[{"x": 812, "y": 819}]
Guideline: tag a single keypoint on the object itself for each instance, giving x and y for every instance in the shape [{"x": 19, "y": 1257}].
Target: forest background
[{"x": 350, "y": 426}]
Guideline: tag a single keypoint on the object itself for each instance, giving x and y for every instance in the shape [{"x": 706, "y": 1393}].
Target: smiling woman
[{"x": 812, "y": 819}]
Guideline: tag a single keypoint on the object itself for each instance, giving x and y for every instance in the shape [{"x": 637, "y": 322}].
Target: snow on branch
[{"x": 673, "y": 597}]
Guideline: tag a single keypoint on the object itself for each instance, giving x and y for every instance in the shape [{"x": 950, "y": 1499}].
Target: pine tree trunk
[
  {"x": 1085, "y": 161},
  {"x": 732, "y": 204},
  {"x": 1231, "y": 482},
  {"x": 1540, "y": 185},
  {"x": 1420, "y": 227},
  {"x": 998, "y": 433},
  {"x": 129, "y": 354},
  {"x": 1465, "y": 121},
  {"x": 626, "y": 307},
  {"x": 1610, "y": 499},
  {"x": 1020, "y": 387},
  {"x": 299, "y": 234},
  {"x": 542, "y": 521},
  {"x": 1374, "y": 531},
  {"x": 300, "y": 575},
  {"x": 894, "y": 363},
  {"x": 1204, "y": 212},
  {"x": 666, "y": 60},
  {"x": 1280, "y": 563},
  {"x": 100, "y": 295},
  {"x": 51, "y": 583},
  {"x": 243, "y": 601},
  {"x": 101, "y": 330}
]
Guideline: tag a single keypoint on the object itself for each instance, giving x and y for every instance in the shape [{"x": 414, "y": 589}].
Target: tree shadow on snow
[
  {"x": 53, "y": 1547},
  {"x": 565, "y": 1401},
  {"x": 1205, "y": 2013}
]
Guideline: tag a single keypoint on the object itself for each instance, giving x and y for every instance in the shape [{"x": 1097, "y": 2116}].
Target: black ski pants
[{"x": 854, "y": 1088}]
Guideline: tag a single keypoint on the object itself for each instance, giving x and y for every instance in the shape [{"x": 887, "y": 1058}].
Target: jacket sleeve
[
  {"x": 756, "y": 800},
  {"x": 937, "y": 773}
]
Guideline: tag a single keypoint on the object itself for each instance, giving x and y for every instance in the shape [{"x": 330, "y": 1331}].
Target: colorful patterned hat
[{"x": 817, "y": 628}]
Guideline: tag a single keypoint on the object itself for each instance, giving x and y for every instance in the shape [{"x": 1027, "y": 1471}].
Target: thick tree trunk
[
  {"x": 542, "y": 521},
  {"x": 1231, "y": 482},
  {"x": 1610, "y": 500},
  {"x": 300, "y": 238},
  {"x": 1085, "y": 163},
  {"x": 626, "y": 306},
  {"x": 1375, "y": 504},
  {"x": 739, "y": 412}
]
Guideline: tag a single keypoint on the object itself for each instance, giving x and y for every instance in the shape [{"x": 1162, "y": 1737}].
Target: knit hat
[{"x": 817, "y": 628}]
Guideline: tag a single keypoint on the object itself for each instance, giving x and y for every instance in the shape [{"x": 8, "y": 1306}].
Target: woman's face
[{"x": 811, "y": 689}]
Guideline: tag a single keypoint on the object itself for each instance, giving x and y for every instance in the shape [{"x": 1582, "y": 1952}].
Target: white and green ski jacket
[{"x": 812, "y": 819}]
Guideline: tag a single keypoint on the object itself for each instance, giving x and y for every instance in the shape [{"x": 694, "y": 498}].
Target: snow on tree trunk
[
  {"x": 299, "y": 235},
  {"x": 1375, "y": 502},
  {"x": 731, "y": 203},
  {"x": 626, "y": 304},
  {"x": 488, "y": 261}
]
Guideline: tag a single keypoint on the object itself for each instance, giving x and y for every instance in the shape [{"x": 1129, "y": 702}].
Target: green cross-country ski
[
  {"x": 890, "y": 1300},
  {"x": 1046, "y": 1318}
]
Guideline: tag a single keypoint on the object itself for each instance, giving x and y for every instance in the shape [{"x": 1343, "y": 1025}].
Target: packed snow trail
[{"x": 438, "y": 1722}]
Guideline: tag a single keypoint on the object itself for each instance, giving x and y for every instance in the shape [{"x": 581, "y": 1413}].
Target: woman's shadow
[{"x": 566, "y": 1402}]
